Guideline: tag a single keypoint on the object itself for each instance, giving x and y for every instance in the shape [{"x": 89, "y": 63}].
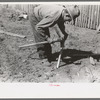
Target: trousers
[{"x": 44, "y": 50}]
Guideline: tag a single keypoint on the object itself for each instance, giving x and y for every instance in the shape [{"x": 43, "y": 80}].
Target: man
[{"x": 45, "y": 16}]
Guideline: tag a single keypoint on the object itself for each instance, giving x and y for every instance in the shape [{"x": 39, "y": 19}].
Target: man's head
[{"x": 71, "y": 13}]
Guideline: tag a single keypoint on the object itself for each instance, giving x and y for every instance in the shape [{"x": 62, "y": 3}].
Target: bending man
[{"x": 45, "y": 16}]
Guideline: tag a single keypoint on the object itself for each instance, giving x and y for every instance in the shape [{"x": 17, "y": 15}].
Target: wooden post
[
  {"x": 92, "y": 16},
  {"x": 86, "y": 16},
  {"x": 89, "y": 20},
  {"x": 82, "y": 16},
  {"x": 97, "y": 16}
]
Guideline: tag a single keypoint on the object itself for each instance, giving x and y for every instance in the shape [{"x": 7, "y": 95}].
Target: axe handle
[
  {"x": 33, "y": 44},
  {"x": 44, "y": 42}
]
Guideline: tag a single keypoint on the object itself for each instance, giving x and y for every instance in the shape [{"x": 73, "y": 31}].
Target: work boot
[{"x": 41, "y": 54}]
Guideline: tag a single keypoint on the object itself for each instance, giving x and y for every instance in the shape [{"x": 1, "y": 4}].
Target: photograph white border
[{"x": 50, "y": 90}]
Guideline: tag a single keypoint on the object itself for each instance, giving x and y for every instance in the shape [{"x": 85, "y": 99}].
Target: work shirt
[{"x": 47, "y": 15}]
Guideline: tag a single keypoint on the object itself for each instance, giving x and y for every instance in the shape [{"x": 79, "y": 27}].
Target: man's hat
[{"x": 73, "y": 11}]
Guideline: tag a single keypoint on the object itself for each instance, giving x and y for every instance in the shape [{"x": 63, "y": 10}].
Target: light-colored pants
[{"x": 44, "y": 50}]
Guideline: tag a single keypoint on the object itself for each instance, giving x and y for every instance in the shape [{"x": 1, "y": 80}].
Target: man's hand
[
  {"x": 61, "y": 40},
  {"x": 61, "y": 37},
  {"x": 53, "y": 40},
  {"x": 49, "y": 40}
]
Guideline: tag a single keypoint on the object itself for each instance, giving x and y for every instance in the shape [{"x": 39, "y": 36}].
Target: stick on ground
[{"x": 12, "y": 34}]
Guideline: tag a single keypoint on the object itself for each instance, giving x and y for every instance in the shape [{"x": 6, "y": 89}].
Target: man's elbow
[
  {"x": 39, "y": 29},
  {"x": 36, "y": 27}
]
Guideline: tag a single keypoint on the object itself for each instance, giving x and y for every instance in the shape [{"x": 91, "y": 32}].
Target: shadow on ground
[{"x": 69, "y": 56}]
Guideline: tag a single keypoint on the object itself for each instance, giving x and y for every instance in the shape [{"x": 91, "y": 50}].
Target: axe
[{"x": 44, "y": 42}]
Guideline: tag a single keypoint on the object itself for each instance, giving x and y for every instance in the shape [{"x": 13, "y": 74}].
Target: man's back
[{"x": 48, "y": 10}]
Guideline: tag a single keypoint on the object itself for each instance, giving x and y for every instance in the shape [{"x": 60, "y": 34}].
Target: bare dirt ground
[{"x": 23, "y": 65}]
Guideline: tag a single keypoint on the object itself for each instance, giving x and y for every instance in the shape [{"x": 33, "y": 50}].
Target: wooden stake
[{"x": 59, "y": 58}]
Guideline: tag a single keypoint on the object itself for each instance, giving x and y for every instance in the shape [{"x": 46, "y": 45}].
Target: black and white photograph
[
  {"x": 49, "y": 43},
  {"x": 50, "y": 50}
]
